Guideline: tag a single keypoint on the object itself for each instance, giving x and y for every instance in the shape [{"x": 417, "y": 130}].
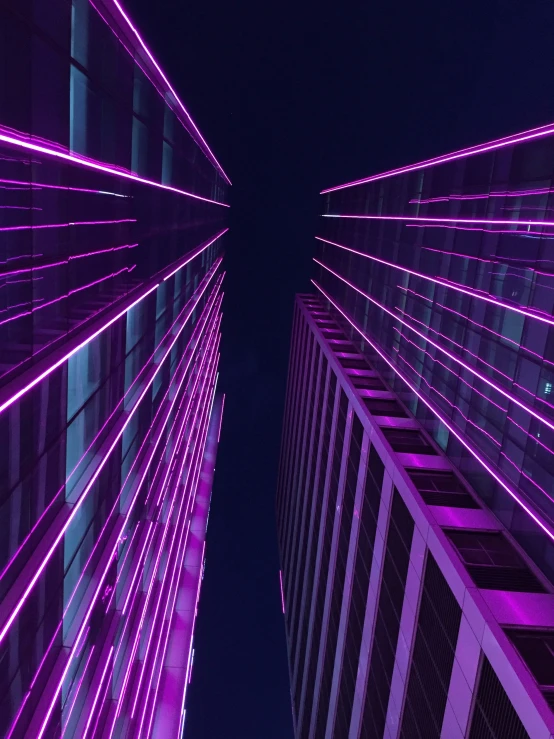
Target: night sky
[{"x": 293, "y": 97}]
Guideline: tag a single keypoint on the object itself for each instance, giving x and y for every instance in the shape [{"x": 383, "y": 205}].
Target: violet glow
[
  {"x": 434, "y": 389},
  {"x": 49, "y": 370},
  {"x": 282, "y": 595},
  {"x": 476, "y": 323},
  {"x": 84, "y": 569},
  {"x": 26, "y": 186},
  {"x": 435, "y": 219},
  {"x": 153, "y": 575},
  {"x": 177, "y": 99},
  {"x": 445, "y": 283},
  {"x": 486, "y": 196},
  {"x": 67, "y": 295},
  {"x": 37, "y": 267},
  {"x": 38, "y": 226},
  {"x": 131, "y": 388},
  {"x": 50, "y": 150},
  {"x": 174, "y": 584},
  {"x": 198, "y": 251},
  {"x": 529, "y": 135},
  {"x": 526, "y": 234},
  {"x": 440, "y": 348},
  {"x": 154, "y": 617},
  {"x": 512, "y": 493},
  {"x": 77, "y": 689},
  {"x": 85, "y": 621},
  {"x": 95, "y": 701},
  {"x": 86, "y": 490}
]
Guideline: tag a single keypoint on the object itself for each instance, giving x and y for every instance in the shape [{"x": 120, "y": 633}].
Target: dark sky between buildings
[{"x": 292, "y": 97}]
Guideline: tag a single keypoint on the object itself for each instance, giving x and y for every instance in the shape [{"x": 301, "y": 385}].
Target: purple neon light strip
[
  {"x": 92, "y": 553},
  {"x": 61, "y": 361},
  {"x": 71, "y": 656},
  {"x": 154, "y": 617},
  {"x": 26, "y": 186},
  {"x": 282, "y": 594},
  {"x": 38, "y": 226},
  {"x": 170, "y": 558},
  {"x": 497, "y": 262},
  {"x": 18, "y": 715},
  {"x": 183, "y": 425},
  {"x": 453, "y": 357},
  {"x": 193, "y": 625},
  {"x": 446, "y": 423},
  {"x": 131, "y": 388},
  {"x": 196, "y": 253},
  {"x": 444, "y": 283},
  {"x": 177, "y": 99},
  {"x": 185, "y": 419},
  {"x": 131, "y": 470},
  {"x": 79, "y": 635},
  {"x": 519, "y": 138},
  {"x": 77, "y": 689},
  {"x": 476, "y": 323},
  {"x": 174, "y": 584},
  {"x": 50, "y": 150},
  {"x": 95, "y": 701},
  {"x": 38, "y": 267},
  {"x": 85, "y": 492},
  {"x": 434, "y": 389},
  {"x": 67, "y": 295},
  {"x": 486, "y": 196},
  {"x": 435, "y": 219}
]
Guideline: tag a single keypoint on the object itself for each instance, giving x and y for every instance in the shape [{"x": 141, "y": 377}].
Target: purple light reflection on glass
[
  {"x": 50, "y": 150},
  {"x": 83, "y": 496},
  {"x": 36, "y": 227},
  {"x": 435, "y": 219},
  {"x": 62, "y": 297},
  {"x": 451, "y": 356},
  {"x": 95, "y": 701},
  {"x": 154, "y": 618},
  {"x": 445, "y": 283},
  {"x": 130, "y": 661},
  {"x": 448, "y": 425},
  {"x": 77, "y": 689},
  {"x": 434, "y": 389}
]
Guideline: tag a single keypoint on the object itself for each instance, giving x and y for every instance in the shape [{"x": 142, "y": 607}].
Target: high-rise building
[
  {"x": 415, "y": 496},
  {"x": 112, "y": 213}
]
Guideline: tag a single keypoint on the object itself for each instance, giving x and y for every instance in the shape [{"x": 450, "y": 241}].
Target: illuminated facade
[
  {"x": 112, "y": 221},
  {"x": 415, "y": 508}
]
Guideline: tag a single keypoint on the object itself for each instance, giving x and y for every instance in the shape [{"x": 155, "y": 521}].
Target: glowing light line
[
  {"x": 448, "y": 425},
  {"x": 177, "y": 99},
  {"x": 438, "y": 281},
  {"x": 434, "y": 219},
  {"x": 89, "y": 485},
  {"x": 440, "y": 348},
  {"x": 519, "y": 138},
  {"x": 99, "y": 166}
]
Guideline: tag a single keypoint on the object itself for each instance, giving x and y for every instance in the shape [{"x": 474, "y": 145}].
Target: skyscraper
[
  {"x": 112, "y": 215},
  {"x": 415, "y": 510}
]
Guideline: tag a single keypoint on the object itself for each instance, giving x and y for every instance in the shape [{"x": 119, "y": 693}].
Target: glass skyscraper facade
[
  {"x": 415, "y": 494},
  {"x": 112, "y": 221}
]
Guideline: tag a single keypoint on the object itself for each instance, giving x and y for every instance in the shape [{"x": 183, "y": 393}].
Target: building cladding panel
[
  {"x": 113, "y": 217},
  {"x": 433, "y": 309}
]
